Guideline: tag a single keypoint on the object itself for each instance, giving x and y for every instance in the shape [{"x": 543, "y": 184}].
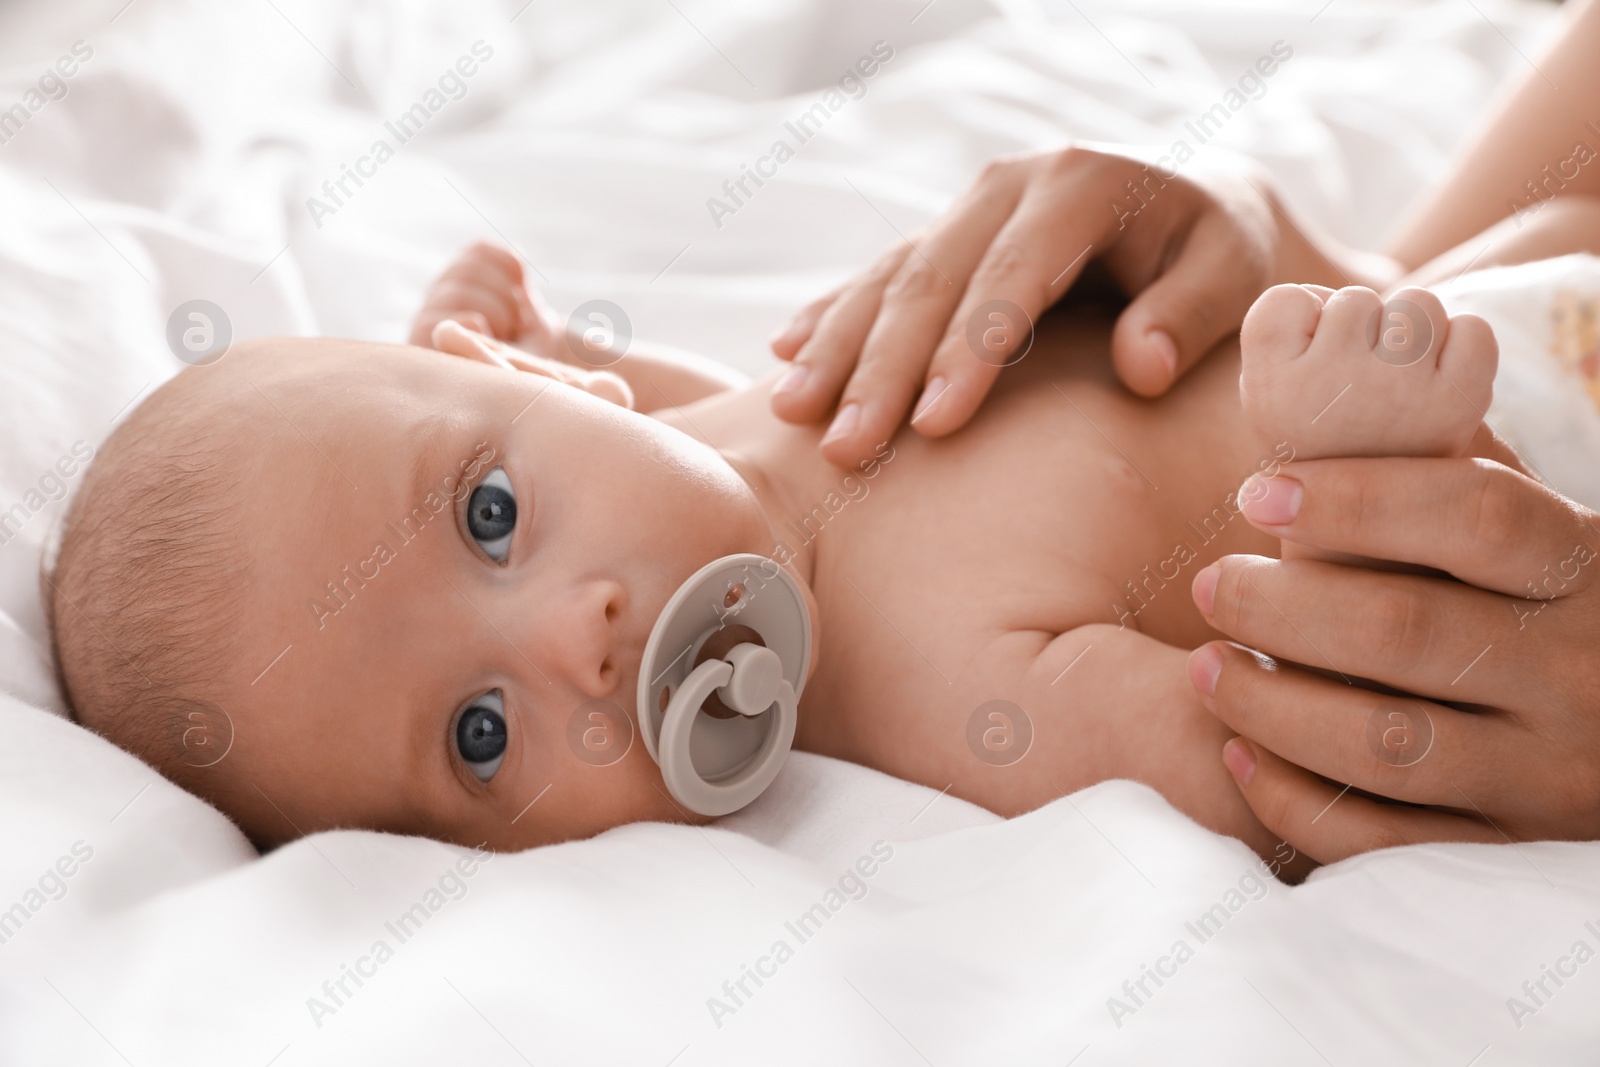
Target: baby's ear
[{"x": 454, "y": 339}]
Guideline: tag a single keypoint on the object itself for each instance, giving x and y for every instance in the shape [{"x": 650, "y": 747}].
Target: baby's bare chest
[
  {"x": 1066, "y": 502},
  {"x": 1039, "y": 515}
]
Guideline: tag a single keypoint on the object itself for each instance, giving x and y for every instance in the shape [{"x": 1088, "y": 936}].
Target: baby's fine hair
[{"x": 140, "y": 594}]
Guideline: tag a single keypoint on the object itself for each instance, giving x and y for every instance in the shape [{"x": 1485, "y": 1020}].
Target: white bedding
[{"x": 177, "y": 166}]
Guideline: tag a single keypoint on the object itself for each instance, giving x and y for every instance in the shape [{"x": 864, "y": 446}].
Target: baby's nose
[{"x": 583, "y": 637}]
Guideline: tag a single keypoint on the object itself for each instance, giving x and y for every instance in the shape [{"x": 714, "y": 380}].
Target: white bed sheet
[{"x": 178, "y": 165}]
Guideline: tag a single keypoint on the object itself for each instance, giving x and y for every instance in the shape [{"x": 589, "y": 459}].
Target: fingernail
[
  {"x": 1240, "y": 760},
  {"x": 930, "y": 393},
  {"x": 785, "y": 333},
  {"x": 844, "y": 424},
  {"x": 1271, "y": 501},
  {"x": 1204, "y": 589},
  {"x": 1166, "y": 351},
  {"x": 791, "y": 382},
  {"x": 1205, "y": 663}
]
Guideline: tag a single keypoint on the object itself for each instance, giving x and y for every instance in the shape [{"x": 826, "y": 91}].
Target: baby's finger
[
  {"x": 605, "y": 384},
  {"x": 1329, "y": 822},
  {"x": 485, "y": 254},
  {"x": 532, "y": 312},
  {"x": 497, "y": 308},
  {"x": 422, "y": 329},
  {"x": 451, "y": 338},
  {"x": 490, "y": 277},
  {"x": 454, "y": 339},
  {"x": 608, "y": 386},
  {"x": 473, "y": 320}
]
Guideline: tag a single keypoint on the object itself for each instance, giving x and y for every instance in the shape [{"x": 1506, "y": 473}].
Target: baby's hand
[
  {"x": 452, "y": 337},
  {"x": 484, "y": 290}
]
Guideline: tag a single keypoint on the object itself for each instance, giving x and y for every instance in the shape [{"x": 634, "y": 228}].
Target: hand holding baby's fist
[{"x": 483, "y": 290}]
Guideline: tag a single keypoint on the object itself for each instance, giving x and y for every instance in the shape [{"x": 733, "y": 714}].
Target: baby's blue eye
[
  {"x": 481, "y": 735},
  {"x": 492, "y": 515}
]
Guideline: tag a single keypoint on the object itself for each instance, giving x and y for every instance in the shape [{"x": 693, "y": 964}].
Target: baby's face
[{"x": 456, "y": 568}]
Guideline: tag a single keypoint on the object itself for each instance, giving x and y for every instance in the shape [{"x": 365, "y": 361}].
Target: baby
[{"x": 329, "y": 583}]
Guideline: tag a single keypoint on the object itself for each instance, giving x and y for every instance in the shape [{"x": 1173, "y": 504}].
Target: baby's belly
[{"x": 1067, "y": 501}]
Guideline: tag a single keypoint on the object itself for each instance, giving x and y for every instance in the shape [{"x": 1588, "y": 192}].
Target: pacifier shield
[{"x": 729, "y": 757}]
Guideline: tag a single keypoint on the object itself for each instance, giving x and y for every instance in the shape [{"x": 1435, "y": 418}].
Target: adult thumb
[{"x": 1196, "y": 302}]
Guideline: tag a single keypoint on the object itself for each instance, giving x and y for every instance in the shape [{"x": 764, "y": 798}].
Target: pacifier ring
[{"x": 720, "y": 681}]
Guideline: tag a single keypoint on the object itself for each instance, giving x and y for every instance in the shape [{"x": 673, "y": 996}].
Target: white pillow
[
  {"x": 76, "y": 321},
  {"x": 86, "y": 288}
]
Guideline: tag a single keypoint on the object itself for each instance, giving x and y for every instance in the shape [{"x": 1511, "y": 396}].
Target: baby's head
[{"x": 330, "y": 584}]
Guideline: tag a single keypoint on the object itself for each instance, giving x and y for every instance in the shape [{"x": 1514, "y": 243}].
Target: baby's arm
[
  {"x": 1111, "y": 702},
  {"x": 485, "y": 290}
]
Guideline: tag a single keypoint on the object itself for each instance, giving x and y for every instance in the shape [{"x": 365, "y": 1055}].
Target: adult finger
[
  {"x": 1390, "y": 744},
  {"x": 793, "y": 335},
  {"x": 915, "y": 314},
  {"x": 826, "y": 359},
  {"x": 1035, "y": 257},
  {"x": 1330, "y": 823},
  {"x": 1196, "y": 302},
  {"x": 1474, "y": 518},
  {"x": 1429, "y": 636}
]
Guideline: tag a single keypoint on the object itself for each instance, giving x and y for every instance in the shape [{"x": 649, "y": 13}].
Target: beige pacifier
[{"x": 719, "y": 686}]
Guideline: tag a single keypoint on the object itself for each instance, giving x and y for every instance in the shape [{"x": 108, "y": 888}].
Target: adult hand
[
  {"x": 940, "y": 316},
  {"x": 1501, "y": 742}
]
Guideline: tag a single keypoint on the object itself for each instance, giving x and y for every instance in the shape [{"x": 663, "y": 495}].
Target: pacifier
[{"x": 719, "y": 686}]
